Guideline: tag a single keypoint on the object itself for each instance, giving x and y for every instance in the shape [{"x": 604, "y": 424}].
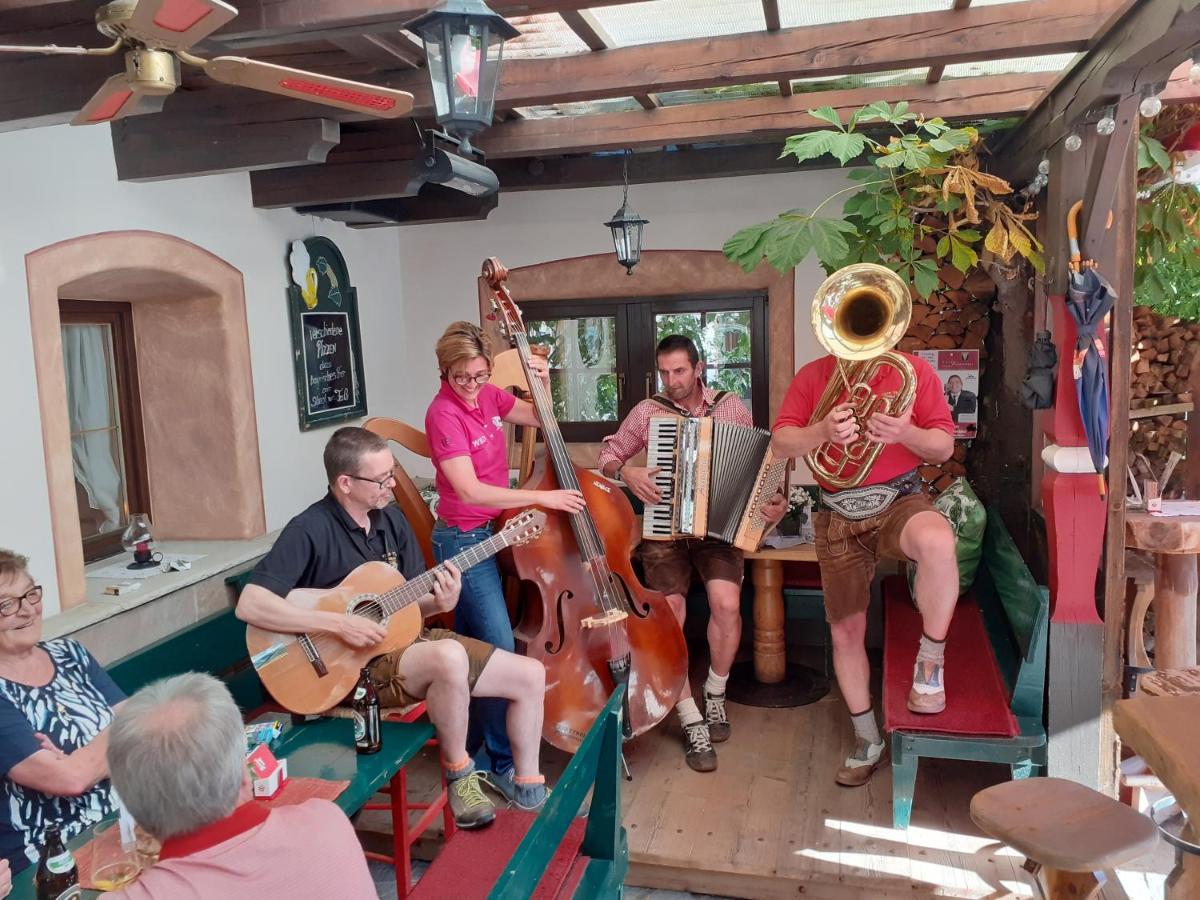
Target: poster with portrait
[{"x": 958, "y": 372}]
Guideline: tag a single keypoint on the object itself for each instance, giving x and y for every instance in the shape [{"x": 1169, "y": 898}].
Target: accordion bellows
[{"x": 713, "y": 477}]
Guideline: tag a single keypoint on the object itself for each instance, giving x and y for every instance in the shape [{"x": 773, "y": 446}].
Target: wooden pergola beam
[
  {"x": 771, "y": 18},
  {"x": 1146, "y": 43},
  {"x": 584, "y": 24},
  {"x": 937, "y": 70},
  {"x": 384, "y": 51}
]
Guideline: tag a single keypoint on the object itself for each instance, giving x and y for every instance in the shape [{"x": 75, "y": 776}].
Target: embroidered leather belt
[{"x": 861, "y": 503}]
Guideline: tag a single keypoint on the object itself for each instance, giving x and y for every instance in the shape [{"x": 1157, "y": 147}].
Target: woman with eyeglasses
[
  {"x": 465, "y": 427},
  {"x": 56, "y": 703}
]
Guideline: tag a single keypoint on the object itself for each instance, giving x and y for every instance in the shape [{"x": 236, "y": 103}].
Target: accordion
[{"x": 712, "y": 477}]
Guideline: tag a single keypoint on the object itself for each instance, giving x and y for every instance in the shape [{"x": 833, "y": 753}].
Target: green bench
[
  {"x": 555, "y": 854},
  {"x": 1016, "y": 612}
]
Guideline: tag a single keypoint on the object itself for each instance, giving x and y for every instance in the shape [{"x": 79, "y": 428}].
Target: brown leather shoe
[
  {"x": 858, "y": 768},
  {"x": 926, "y": 703},
  {"x": 928, "y": 693}
]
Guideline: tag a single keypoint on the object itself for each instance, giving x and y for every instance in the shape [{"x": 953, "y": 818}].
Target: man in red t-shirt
[{"x": 887, "y": 516}]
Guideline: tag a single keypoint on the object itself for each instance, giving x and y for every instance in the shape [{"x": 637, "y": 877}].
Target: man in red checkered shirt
[{"x": 668, "y": 564}]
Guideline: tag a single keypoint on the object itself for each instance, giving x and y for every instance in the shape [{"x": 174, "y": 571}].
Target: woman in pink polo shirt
[{"x": 465, "y": 427}]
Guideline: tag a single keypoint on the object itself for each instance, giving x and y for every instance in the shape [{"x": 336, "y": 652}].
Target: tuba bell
[{"x": 859, "y": 314}]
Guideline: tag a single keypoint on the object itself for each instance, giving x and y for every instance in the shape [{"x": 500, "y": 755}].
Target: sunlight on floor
[{"x": 924, "y": 837}]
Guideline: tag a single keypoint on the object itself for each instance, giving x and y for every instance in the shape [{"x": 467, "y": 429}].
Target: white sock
[
  {"x": 689, "y": 713},
  {"x": 715, "y": 684}
]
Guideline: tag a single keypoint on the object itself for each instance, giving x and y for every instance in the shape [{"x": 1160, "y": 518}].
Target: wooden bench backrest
[
  {"x": 1016, "y": 610},
  {"x": 408, "y": 498},
  {"x": 216, "y": 645}
]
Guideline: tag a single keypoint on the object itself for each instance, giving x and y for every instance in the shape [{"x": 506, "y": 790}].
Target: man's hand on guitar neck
[{"x": 447, "y": 583}]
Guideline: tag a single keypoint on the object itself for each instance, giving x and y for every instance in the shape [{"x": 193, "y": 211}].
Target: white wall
[
  {"x": 61, "y": 183},
  {"x": 439, "y": 263}
]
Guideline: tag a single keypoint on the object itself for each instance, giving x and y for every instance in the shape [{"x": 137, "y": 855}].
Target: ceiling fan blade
[
  {"x": 177, "y": 24},
  {"x": 385, "y": 103},
  {"x": 117, "y": 99}
]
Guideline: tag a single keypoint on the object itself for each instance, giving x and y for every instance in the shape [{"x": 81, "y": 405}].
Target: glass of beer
[{"x": 114, "y": 864}]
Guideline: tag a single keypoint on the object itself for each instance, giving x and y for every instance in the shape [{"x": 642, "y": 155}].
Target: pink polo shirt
[
  {"x": 454, "y": 429},
  {"x": 302, "y": 852}
]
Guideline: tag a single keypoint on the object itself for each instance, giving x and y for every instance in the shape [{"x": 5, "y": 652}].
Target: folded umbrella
[{"x": 1037, "y": 390}]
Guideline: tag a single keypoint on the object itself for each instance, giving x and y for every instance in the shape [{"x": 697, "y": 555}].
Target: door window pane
[
  {"x": 95, "y": 422},
  {"x": 583, "y": 366}
]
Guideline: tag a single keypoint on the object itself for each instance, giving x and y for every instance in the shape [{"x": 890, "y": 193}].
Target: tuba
[{"x": 859, "y": 314}]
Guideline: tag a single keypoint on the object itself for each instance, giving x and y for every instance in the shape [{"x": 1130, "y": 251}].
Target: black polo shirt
[{"x": 322, "y": 545}]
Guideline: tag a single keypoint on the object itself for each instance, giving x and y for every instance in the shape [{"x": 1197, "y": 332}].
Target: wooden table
[
  {"x": 769, "y": 681},
  {"x": 1175, "y": 542},
  {"x": 1165, "y": 732}
]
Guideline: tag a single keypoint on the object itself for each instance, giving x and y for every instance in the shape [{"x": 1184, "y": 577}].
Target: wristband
[{"x": 617, "y": 474}]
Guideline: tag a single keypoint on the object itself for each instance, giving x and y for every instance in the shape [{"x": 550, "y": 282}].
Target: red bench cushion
[
  {"x": 977, "y": 702},
  {"x": 471, "y": 862}
]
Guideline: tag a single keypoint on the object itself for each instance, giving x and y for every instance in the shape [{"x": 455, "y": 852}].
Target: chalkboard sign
[{"x": 327, "y": 349}]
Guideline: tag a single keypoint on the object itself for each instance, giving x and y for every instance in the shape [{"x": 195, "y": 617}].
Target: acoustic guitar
[{"x": 310, "y": 673}]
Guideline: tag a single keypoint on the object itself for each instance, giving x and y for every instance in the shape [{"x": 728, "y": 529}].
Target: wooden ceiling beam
[
  {"x": 366, "y": 164},
  {"x": 383, "y": 51},
  {"x": 1144, "y": 45},
  {"x": 937, "y": 70},
  {"x": 771, "y": 18},
  {"x": 589, "y": 30},
  {"x": 764, "y": 118},
  {"x": 207, "y": 151}
]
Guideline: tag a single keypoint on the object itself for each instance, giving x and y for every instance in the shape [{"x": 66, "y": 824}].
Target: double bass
[{"x": 593, "y": 625}]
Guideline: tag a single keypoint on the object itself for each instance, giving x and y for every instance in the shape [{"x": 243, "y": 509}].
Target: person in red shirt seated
[
  {"x": 887, "y": 516},
  {"x": 177, "y": 754}
]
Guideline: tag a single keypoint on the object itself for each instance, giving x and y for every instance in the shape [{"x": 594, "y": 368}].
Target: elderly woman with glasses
[
  {"x": 56, "y": 704},
  {"x": 465, "y": 427}
]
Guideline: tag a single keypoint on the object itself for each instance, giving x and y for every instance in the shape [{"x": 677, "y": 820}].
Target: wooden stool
[
  {"x": 1065, "y": 830},
  {"x": 1170, "y": 682}
]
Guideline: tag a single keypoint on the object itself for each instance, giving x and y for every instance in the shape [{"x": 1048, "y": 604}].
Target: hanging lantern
[
  {"x": 626, "y": 227},
  {"x": 464, "y": 44}
]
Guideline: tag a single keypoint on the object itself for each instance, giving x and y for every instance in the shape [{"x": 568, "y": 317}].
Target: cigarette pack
[{"x": 122, "y": 587}]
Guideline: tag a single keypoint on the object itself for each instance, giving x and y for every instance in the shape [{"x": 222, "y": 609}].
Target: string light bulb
[
  {"x": 1194, "y": 71},
  {"x": 1073, "y": 142},
  {"x": 1150, "y": 106},
  {"x": 1044, "y": 166},
  {"x": 1108, "y": 123}
]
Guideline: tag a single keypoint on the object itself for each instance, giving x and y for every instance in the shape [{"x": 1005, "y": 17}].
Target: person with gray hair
[{"x": 177, "y": 754}]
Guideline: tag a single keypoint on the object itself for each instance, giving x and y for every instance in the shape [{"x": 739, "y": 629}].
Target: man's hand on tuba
[
  {"x": 840, "y": 425},
  {"x": 890, "y": 429}
]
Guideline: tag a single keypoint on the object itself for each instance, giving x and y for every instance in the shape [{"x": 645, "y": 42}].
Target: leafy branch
[{"x": 924, "y": 203}]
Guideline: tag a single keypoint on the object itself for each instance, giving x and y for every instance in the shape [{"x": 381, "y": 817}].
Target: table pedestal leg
[
  {"x": 772, "y": 683},
  {"x": 1174, "y": 610}
]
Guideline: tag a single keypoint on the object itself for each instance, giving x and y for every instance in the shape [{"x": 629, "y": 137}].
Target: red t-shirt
[
  {"x": 454, "y": 429},
  {"x": 930, "y": 409}
]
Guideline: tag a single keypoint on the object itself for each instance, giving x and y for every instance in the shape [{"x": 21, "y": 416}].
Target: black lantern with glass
[
  {"x": 626, "y": 227},
  {"x": 464, "y": 44}
]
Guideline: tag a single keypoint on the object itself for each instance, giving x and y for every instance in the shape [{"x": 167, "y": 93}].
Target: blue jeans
[{"x": 481, "y": 613}]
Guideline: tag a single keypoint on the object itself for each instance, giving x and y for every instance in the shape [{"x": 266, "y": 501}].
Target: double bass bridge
[{"x": 607, "y": 617}]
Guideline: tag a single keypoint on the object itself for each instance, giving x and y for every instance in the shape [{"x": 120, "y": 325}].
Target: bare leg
[
  {"x": 678, "y": 604},
  {"x": 523, "y": 682},
  {"x": 724, "y": 623},
  {"x": 928, "y": 540},
  {"x": 850, "y": 662},
  {"x": 437, "y": 671}
]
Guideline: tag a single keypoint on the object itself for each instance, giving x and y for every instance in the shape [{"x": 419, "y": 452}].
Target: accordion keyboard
[{"x": 658, "y": 518}]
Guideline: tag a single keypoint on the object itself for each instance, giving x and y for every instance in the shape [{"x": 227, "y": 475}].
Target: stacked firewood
[
  {"x": 1165, "y": 350},
  {"x": 954, "y": 317}
]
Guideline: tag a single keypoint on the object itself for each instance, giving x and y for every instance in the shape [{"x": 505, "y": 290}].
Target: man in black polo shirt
[{"x": 355, "y": 523}]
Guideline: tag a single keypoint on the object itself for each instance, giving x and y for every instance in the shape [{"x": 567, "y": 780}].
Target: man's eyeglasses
[
  {"x": 381, "y": 483},
  {"x": 464, "y": 380},
  {"x": 11, "y": 605}
]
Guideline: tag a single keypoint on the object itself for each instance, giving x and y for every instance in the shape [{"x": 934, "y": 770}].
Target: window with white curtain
[{"x": 105, "y": 420}]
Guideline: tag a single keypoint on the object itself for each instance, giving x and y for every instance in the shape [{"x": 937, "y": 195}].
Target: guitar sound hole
[{"x": 368, "y": 608}]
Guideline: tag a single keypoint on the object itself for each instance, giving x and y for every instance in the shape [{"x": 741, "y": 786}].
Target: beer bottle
[
  {"x": 56, "y": 875},
  {"x": 365, "y": 706}
]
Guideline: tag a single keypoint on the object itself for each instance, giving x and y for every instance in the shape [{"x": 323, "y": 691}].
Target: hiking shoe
[
  {"x": 530, "y": 797},
  {"x": 470, "y": 807},
  {"x": 698, "y": 749},
  {"x": 928, "y": 694},
  {"x": 501, "y": 783},
  {"x": 715, "y": 718},
  {"x": 861, "y": 764}
]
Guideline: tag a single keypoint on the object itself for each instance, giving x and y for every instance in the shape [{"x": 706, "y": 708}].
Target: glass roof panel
[
  {"x": 580, "y": 108},
  {"x": 867, "y": 79},
  {"x": 728, "y": 92},
  {"x": 1054, "y": 62},
  {"x": 674, "y": 20},
  {"x": 796, "y": 13},
  {"x": 541, "y": 36}
]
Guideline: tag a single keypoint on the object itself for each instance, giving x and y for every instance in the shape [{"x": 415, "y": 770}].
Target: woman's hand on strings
[
  {"x": 539, "y": 362},
  {"x": 840, "y": 425},
  {"x": 567, "y": 501}
]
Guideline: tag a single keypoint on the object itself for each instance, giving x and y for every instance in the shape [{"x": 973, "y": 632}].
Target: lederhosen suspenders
[{"x": 675, "y": 410}]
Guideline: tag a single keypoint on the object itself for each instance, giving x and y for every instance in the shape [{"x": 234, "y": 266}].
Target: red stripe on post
[
  {"x": 341, "y": 94},
  {"x": 110, "y": 107},
  {"x": 180, "y": 15}
]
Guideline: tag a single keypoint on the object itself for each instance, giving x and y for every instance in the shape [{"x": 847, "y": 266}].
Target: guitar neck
[{"x": 412, "y": 591}]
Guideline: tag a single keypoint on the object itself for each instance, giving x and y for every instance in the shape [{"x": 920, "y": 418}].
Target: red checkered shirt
[{"x": 630, "y": 438}]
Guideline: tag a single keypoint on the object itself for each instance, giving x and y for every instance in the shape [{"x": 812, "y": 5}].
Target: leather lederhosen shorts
[{"x": 390, "y": 683}]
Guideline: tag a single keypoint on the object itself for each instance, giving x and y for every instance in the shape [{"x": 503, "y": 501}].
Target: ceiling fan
[{"x": 156, "y": 35}]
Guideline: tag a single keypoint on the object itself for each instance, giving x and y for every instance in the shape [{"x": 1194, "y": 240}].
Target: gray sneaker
[
  {"x": 501, "y": 783},
  {"x": 470, "y": 807},
  {"x": 531, "y": 797},
  {"x": 715, "y": 717}
]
